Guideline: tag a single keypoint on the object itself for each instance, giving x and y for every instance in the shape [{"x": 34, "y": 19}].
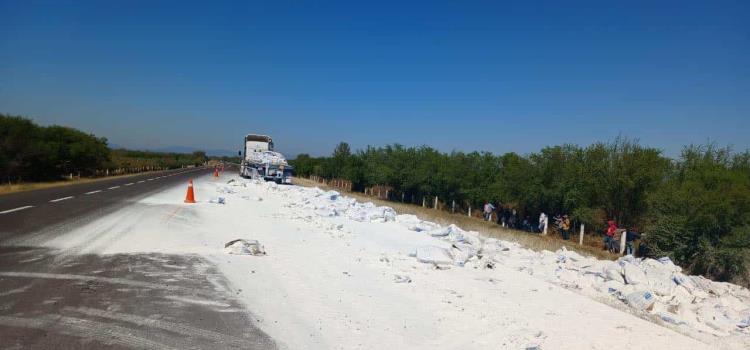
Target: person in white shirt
[{"x": 542, "y": 221}]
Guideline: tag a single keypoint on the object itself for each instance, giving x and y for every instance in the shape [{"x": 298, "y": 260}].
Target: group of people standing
[
  {"x": 614, "y": 236},
  {"x": 508, "y": 217},
  {"x": 562, "y": 222}
]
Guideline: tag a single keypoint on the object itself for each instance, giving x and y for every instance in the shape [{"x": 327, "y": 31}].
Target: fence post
[
  {"x": 423, "y": 203},
  {"x": 546, "y": 223},
  {"x": 453, "y": 206},
  {"x": 469, "y": 210},
  {"x": 622, "y": 241},
  {"x": 580, "y": 238},
  {"x": 436, "y": 202},
  {"x": 402, "y": 197}
]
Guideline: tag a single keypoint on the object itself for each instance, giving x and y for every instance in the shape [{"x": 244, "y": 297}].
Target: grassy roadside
[
  {"x": 535, "y": 242},
  {"x": 30, "y": 186}
]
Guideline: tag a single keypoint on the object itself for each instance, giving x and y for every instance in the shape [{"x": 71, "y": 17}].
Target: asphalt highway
[
  {"x": 53, "y": 299},
  {"x": 25, "y": 212}
]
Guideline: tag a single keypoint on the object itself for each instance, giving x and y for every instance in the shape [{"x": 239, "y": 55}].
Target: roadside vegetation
[
  {"x": 694, "y": 209},
  {"x": 34, "y": 153}
]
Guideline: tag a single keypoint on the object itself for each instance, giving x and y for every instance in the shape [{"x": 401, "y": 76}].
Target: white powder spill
[{"x": 327, "y": 279}]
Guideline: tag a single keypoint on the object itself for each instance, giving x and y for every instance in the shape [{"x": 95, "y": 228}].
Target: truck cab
[
  {"x": 260, "y": 160},
  {"x": 258, "y": 143}
]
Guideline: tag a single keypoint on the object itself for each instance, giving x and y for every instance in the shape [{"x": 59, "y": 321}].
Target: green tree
[{"x": 701, "y": 215}]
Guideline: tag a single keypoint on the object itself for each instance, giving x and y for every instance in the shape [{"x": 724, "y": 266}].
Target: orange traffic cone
[
  {"x": 216, "y": 172},
  {"x": 190, "y": 197}
]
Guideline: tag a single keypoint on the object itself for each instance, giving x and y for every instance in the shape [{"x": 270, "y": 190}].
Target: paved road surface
[
  {"x": 25, "y": 212},
  {"x": 56, "y": 300}
]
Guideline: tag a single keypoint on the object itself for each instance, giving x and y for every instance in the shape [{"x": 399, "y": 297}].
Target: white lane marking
[
  {"x": 92, "y": 192},
  {"x": 151, "y": 179},
  {"x": 140, "y": 182},
  {"x": 129, "y": 184},
  {"x": 16, "y": 209},
  {"x": 60, "y": 199},
  {"x": 113, "y": 187}
]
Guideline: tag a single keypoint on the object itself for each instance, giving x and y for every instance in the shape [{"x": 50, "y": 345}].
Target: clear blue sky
[{"x": 462, "y": 75}]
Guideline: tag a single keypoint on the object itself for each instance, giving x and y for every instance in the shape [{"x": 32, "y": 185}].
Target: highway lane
[
  {"x": 26, "y": 212},
  {"x": 60, "y": 299}
]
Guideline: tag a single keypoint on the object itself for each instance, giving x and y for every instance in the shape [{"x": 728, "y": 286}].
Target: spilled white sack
[{"x": 244, "y": 247}]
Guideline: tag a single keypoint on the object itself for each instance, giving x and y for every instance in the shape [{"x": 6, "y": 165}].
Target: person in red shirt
[{"x": 609, "y": 239}]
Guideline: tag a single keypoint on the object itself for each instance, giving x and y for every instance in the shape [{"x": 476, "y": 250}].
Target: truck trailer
[{"x": 261, "y": 161}]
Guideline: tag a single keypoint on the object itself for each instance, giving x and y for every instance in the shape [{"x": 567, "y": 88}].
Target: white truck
[{"x": 260, "y": 161}]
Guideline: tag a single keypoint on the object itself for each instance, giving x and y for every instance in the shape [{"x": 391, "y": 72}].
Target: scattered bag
[
  {"x": 244, "y": 247},
  {"x": 461, "y": 253},
  {"x": 433, "y": 255},
  {"x": 613, "y": 272},
  {"x": 671, "y": 318},
  {"x": 642, "y": 300},
  {"x": 401, "y": 279},
  {"x": 219, "y": 200},
  {"x": 745, "y": 322},
  {"x": 225, "y": 189},
  {"x": 634, "y": 275},
  {"x": 611, "y": 287}
]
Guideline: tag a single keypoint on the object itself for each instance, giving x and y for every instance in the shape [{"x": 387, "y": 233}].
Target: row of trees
[
  {"x": 29, "y": 152},
  {"x": 129, "y": 159},
  {"x": 696, "y": 209}
]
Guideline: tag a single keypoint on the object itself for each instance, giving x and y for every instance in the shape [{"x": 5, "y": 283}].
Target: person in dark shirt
[
  {"x": 526, "y": 224},
  {"x": 630, "y": 236}
]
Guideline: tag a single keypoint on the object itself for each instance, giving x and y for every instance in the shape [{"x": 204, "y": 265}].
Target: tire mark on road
[
  {"x": 165, "y": 325},
  {"x": 111, "y": 280},
  {"x": 105, "y": 333}
]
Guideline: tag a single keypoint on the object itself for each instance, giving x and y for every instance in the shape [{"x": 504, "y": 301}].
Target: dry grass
[
  {"x": 551, "y": 242},
  {"x": 30, "y": 186}
]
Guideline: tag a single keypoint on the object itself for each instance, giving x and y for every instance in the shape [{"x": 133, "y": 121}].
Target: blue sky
[{"x": 463, "y": 75}]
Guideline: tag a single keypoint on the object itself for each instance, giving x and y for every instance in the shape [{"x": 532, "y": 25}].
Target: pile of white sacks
[
  {"x": 650, "y": 287},
  {"x": 657, "y": 287},
  {"x": 267, "y": 157},
  {"x": 331, "y": 203}
]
